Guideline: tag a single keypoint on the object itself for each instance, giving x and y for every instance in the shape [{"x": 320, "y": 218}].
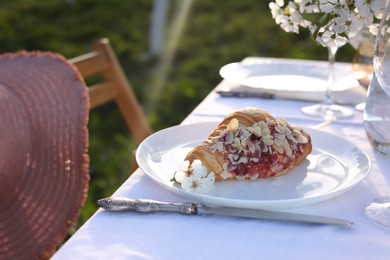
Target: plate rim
[
  {"x": 308, "y": 63},
  {"x": 256, "y": 204}
]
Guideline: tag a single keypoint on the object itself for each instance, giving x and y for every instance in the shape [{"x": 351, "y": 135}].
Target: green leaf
[
  {"x": 174, "y": 179},
  {"x": 313, "y": 17},
  {"x": 325, "y": 19}
]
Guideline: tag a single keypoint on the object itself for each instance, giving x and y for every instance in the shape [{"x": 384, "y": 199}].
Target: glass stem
[{"x": 332, "y": 59}]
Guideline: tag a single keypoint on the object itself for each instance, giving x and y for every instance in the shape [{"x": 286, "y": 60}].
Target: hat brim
[{"x": 44, "y": 163}]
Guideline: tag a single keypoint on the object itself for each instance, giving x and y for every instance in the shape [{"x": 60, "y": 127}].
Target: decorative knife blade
[
  {"x": 190, "y": 208},
  {"x": 243, "y": 94}
]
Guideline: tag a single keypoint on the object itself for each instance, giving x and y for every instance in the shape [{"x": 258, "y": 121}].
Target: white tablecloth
[{"x": 169, "y": 236}]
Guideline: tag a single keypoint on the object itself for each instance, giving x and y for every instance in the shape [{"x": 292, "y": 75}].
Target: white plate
[
  {"x": 334, "y": 166},
  {"x": 281, "y": 75}
]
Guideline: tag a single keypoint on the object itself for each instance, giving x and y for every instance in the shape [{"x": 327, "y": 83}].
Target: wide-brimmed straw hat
[{"x": 44, "y": 164}]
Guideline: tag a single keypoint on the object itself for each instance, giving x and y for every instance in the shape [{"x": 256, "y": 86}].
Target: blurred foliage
[{"x": 215, "y": 33}]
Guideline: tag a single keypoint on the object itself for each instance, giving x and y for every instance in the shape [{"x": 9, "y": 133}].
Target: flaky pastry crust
[{"x": 250, "y": 144}]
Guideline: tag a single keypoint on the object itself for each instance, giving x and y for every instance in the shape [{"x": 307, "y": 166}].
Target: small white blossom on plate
[
  {"x": 331, "y": 22},
  {"x": 194, "y": 171},
  {"x": 194, "y": 177},
  {"x": 199, "y": 185}
]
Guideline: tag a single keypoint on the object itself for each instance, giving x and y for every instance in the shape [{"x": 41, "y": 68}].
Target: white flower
[
  {"x": 363, "y": 8},
  {"x": 277, "y": 13},
  {"x": 199, "y": 185},
  {"x": 328, "y": 6},
  {"x": 307, "y": 6},
  {"x": 377, "y": 7},
  {"x": 186, "y": 170},
  {"x": 331, "y": 39},
  {"x": 348, "y": 24},
  {"x": 194, "y": 177},
  {"x": 331, "y": 22},
  {"x": 287, "y": 17}
]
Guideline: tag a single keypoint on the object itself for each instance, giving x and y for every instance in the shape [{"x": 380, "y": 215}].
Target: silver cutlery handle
[{"x": 146, "y": 206}]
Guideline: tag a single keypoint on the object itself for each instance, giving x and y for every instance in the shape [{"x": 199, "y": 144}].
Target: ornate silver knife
[{"x": 190, "y": 208}]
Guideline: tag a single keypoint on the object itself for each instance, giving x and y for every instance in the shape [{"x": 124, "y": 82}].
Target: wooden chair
[{"x": 114, "y": 87}]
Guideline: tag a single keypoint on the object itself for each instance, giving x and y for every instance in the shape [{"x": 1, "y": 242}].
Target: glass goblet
[{"x": 328, "y": 109}]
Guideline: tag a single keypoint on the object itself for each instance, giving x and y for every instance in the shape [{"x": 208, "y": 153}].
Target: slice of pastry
[{"x": 251, "y": 144}]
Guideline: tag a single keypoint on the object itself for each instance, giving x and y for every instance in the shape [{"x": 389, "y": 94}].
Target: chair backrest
[{"x": 114, "y": 87}]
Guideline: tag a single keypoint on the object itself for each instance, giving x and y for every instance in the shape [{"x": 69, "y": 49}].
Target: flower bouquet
[{"x": 332, "y": 22}]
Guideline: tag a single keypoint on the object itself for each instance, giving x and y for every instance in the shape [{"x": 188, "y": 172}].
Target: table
[{"x": 169, "y": 236}]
